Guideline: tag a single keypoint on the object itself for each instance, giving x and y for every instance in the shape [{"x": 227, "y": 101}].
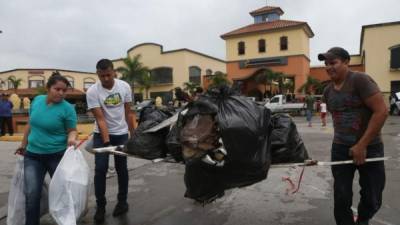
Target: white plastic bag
[
  {"x": 16, "y": 196},
  {"x": 69, "y": 188}
]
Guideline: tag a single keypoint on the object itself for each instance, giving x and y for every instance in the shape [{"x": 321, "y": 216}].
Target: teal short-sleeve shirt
[{"x": 49, "y": 124}]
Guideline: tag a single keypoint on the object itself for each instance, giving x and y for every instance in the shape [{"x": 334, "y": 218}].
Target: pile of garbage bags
[{"x": 224, "y": 139}]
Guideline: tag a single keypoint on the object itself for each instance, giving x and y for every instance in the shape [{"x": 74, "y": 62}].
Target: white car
[{"x": 395, "y": 104}]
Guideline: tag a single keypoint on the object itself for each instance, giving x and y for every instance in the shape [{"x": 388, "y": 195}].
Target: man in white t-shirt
[{"x": 109, "y": 100}]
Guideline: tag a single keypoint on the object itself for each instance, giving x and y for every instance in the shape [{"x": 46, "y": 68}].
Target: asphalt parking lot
[{"x": 156, "y": 190}]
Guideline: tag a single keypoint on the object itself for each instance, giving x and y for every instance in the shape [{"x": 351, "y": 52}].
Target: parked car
[{"x": 395, "y": 104}]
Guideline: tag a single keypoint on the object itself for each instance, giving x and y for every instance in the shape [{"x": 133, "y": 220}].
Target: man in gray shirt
[{"x": 358, "y": 112}]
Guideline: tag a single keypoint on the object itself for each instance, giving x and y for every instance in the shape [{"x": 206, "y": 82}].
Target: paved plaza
[{"x": 156, "y": 190}]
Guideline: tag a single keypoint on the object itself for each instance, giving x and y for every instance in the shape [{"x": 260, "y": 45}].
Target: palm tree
[
  {"x": 219, "y": 79},
  {"x": 15, "y": 82},
  {"x": 145, "y": 82},
  {"x": 288, "y": 85},
  {"x": 311, "y": 83},
  {"x": 268, "y": 77},
  {"x": 135, "y": 72},
  {"x": 190, "y": 87}
]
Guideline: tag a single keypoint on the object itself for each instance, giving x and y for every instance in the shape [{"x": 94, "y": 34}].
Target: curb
[{"x": 18, "y": 137}]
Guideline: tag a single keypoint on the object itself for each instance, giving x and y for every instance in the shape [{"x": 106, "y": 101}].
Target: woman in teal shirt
[{"x": 51, "y": 128}]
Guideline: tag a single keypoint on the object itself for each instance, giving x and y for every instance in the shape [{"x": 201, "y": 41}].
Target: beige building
[
  {"x": 379, "y": 56},
  {"x": 33, "y": 79},
  {"x": 380, "y": 53},
  {"x": 171, "y": 69}
]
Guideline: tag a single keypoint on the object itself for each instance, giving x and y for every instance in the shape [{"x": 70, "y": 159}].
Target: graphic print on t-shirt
[{"x": 113, "y": 100}]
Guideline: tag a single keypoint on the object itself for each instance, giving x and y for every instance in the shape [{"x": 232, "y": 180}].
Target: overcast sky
[{"x": 74, "y": 34}]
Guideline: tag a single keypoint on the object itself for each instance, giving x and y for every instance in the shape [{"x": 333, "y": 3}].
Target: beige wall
[
  {"x": 153, "y": 57},
  {"x": 44, "y": 74},
  {"x": 355, "y": 60},
  {"x": 376, "y": 44},
  {"x": 298, "y": 43}
]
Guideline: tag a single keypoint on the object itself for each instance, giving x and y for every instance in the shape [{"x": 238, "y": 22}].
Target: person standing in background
[
  {"x": 309, "y": 105},
  {"x": 323, "y": 112},
  {"x": 6, "y": 115}
]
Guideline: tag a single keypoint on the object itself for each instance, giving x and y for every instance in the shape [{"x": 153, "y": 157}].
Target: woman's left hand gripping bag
[{"x": 69, "y": 188}]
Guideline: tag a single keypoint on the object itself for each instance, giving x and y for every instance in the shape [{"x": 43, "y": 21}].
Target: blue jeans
[
  {"x": 372, "y": 183},
  {"x": 309, "y": 115},
  {"x": 35, "y": 168},
  {"x": 101, "y": 167}
]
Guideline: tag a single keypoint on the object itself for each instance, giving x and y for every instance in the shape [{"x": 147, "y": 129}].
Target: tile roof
[
  {"x": 268, "y": 26},
  {"x": 266, "y": 9}
]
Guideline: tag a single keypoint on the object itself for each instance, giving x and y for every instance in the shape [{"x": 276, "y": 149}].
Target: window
[
  {"x": 241, "y": 48},
  {"x": 195, "y": 74},
  {"x": 261, "y": 45},
  {"x": 284, "y": 43},
  {"x": 36, "y": 83},
  {"x": 162, "y": 75},
  {"x": 87, "y": 82},
  {"x": 208, "y": 72},
  {"x": 10, "y": 85},
  {"x": 71, "y": 81},
  {"x": 395, "y": 57}
]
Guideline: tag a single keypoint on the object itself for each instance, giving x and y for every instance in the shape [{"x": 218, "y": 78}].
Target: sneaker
[
  {"x": 120, "y": 208},
  {"x": 100, "y": 213}
]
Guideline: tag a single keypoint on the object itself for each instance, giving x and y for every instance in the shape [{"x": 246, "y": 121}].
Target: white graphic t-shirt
[{"x": 112, "y": 104}]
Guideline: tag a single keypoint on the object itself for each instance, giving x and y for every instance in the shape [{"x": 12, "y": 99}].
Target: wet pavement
[{"x": 156, "y": 190}]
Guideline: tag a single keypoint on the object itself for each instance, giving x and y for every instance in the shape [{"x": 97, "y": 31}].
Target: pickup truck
[{"x": 278, "y": 104}]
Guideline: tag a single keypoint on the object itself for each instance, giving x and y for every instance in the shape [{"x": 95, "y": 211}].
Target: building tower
[{"x": 270, "y": 43}]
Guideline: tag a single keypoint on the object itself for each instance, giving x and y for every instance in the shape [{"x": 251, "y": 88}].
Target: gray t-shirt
[{"x": 349, "y": 113}]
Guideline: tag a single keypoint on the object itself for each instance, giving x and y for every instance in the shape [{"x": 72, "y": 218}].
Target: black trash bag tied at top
[{"x": 243, "y": 128}]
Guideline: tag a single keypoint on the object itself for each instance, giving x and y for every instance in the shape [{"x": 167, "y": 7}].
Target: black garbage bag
[
  {"x": 286, "y": 143},
  {"x": 152, "y": 113},
  {"x": 203, "y": 182},
  {"x": 149, "y": 145},
  {"x": 173, "y": 143},
  {"x": 244, "y": 128}
]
